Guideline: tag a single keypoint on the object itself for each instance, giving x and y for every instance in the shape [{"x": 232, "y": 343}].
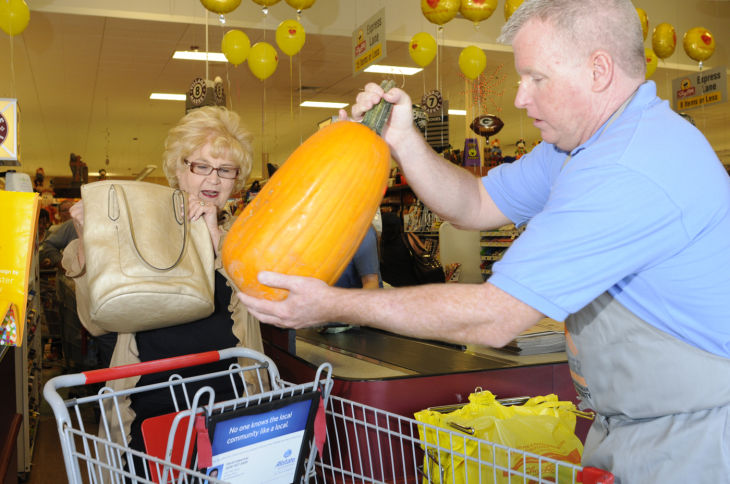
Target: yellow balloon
[
  {"x": 221, "y": 6},
  {"x": 266, "y": 3},
  {"x": 477, "y": 10},
  {"x": 644, "y": 21},
  {"x": 472, "y": 61},
  {"x": 262, "y": 60},
  {"x": 699, "y": 44},
  {"x": 664, "y": 40},
  {"x": 300, "y": 4},
  {"x": 422, "y": 49},
  {"x": 440, "y": 11},
  {"x": 14, "y": 16},
  {"x": 651, "y": 62},
  {"x": 235, "y": 46},
  {"x": 290, "y": 37},
  {"x": 510, "y": 6}
]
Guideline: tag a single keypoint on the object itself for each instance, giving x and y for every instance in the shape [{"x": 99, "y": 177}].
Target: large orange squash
[{"x": 310, "y": 217}]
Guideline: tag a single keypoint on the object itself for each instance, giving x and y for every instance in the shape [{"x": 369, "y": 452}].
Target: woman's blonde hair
[{"x": 210, "y": 124}]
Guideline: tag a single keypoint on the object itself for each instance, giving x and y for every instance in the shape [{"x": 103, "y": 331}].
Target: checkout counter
[{"x": 404, "y": 375}]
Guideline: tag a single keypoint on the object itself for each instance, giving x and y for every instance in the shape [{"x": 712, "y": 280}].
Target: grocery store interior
[{"x": 81, "y": 77}]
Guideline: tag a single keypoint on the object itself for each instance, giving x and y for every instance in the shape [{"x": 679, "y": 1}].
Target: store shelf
[
  {"x": 494, "y": 244},
  {"x": 417, "y": 218},
  {"x": 28, "y": 371}
]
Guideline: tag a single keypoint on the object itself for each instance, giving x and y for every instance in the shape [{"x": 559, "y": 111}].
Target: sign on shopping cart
[{"x": 263, "y": 443}]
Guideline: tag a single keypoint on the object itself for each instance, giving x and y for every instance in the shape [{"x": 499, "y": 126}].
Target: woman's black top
[{"x": 208, "y": 334}]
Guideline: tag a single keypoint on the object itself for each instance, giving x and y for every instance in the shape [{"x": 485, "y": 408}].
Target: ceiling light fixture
[
  {"x": 457, "y": 112},
  {"x": 162, "y": 96},
  {"x": 317, "y": 104},
  {"x": 199, "y": 56},
  {"x": 405, "y": 71}
]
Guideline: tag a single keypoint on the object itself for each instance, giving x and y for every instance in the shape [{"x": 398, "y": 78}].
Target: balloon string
[
  {"x": 206, "y": 44},
  {"x": 291, "y": 88},
  {"x": 439, "y": 40},
  {"x": 12, "y": 67},
  {"x": 299, "y": 74},
  {"x": 263, "y": 131}
]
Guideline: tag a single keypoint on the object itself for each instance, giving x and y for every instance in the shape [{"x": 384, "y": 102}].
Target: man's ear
[{"x": 602, "y": 70}]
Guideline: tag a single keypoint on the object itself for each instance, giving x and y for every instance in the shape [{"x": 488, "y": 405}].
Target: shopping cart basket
[
  {"x": 99, "y": 457},
  {"x": 364, "y": 444},
  {"x": 368, "y": 445}
]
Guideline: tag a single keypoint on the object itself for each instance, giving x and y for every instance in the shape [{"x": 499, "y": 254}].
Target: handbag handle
[{"x": 180, "y": 218}]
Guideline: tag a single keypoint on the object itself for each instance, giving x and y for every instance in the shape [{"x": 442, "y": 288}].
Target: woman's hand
[{"x": 198, "y": 208}]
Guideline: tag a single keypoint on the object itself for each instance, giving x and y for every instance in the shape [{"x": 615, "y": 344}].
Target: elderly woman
[{"x": 208, "y": 155}]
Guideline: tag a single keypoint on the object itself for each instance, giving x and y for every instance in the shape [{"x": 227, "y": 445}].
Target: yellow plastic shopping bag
[
  {"x": 543, "y": 426},
  {"x": 17, "y": 238}
]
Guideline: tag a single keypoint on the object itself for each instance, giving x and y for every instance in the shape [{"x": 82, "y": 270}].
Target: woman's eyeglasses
[{"x": 205, "y": 169}]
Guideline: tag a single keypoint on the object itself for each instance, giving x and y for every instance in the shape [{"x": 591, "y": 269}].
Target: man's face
[{"x": 554, "y": 86}]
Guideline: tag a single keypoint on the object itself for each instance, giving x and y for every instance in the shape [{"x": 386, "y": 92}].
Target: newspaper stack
[{"x": 547, "y": 336}]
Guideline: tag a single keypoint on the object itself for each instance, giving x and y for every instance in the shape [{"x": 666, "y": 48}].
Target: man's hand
[
  {"x": 400, "y": 122},
  {"x": 308, "y": 303}
]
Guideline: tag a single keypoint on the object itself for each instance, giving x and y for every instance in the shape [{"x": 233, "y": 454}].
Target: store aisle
[{"x": 47, "y": 464}]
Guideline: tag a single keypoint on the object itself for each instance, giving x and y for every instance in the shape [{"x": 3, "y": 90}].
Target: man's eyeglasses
[{"x": 205, "y": 169}]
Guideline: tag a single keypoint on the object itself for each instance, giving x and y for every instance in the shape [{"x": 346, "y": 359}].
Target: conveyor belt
[{"x": 422, "y": 357}]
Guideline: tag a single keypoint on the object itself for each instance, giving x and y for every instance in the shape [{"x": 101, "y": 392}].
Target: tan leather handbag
[{"x": 147, "y": 265}]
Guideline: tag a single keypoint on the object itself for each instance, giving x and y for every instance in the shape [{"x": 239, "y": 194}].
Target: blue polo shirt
[
  {"x": 365, "y": 261},
  {"x": 641, "y": 210}
]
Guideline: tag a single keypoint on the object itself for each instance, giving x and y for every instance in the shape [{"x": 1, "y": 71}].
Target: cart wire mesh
[
  {"x": 368, "y": 445},
  {"x": 363, "y": 444},
  {"x": 101, "y": 455}
]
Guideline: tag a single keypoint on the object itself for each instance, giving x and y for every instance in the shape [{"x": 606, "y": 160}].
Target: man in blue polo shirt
[{"x": 627, "y": 213}]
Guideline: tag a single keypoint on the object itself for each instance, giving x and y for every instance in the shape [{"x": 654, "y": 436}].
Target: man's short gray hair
[{"x": 587, "y": 26}]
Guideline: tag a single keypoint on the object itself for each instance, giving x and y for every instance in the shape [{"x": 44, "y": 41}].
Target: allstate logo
[{"x": 288, "y": 459}]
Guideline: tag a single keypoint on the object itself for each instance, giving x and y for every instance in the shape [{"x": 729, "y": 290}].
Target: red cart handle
[
  {"x": 591, "y": 475},
  {"x": 138, "y": 369}
]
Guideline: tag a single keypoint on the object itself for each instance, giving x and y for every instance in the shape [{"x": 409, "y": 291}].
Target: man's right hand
[{"x": 400, "y": 123}]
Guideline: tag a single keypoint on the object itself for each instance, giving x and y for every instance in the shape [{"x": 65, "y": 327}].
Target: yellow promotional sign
[
  {"x": 18, "y": 226},
  {"x": 8, "y": 129}
]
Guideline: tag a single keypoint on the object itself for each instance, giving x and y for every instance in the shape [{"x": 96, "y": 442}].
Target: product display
[{"x": 9, "y": 327}]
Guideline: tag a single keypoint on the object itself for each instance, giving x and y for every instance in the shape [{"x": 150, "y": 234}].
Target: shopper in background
[
  {"x": 628, "y": 240},
  {"x": 396, "y": 261},
  {"x": 363, "y": 272},
  {"x": 59, "y": 236},
  {"x": 44, "y": 223},
  {"x": 208, "y": 155}
]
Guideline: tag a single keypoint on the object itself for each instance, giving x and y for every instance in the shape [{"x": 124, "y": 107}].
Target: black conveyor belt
[{"x": 422, "y": 357}]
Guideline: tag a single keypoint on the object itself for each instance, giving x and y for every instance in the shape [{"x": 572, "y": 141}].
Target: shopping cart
[
  {"x": 369, "y": 445},
  {"x": 103, "y": 456},
  {"x": 363, "y": 444}
]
